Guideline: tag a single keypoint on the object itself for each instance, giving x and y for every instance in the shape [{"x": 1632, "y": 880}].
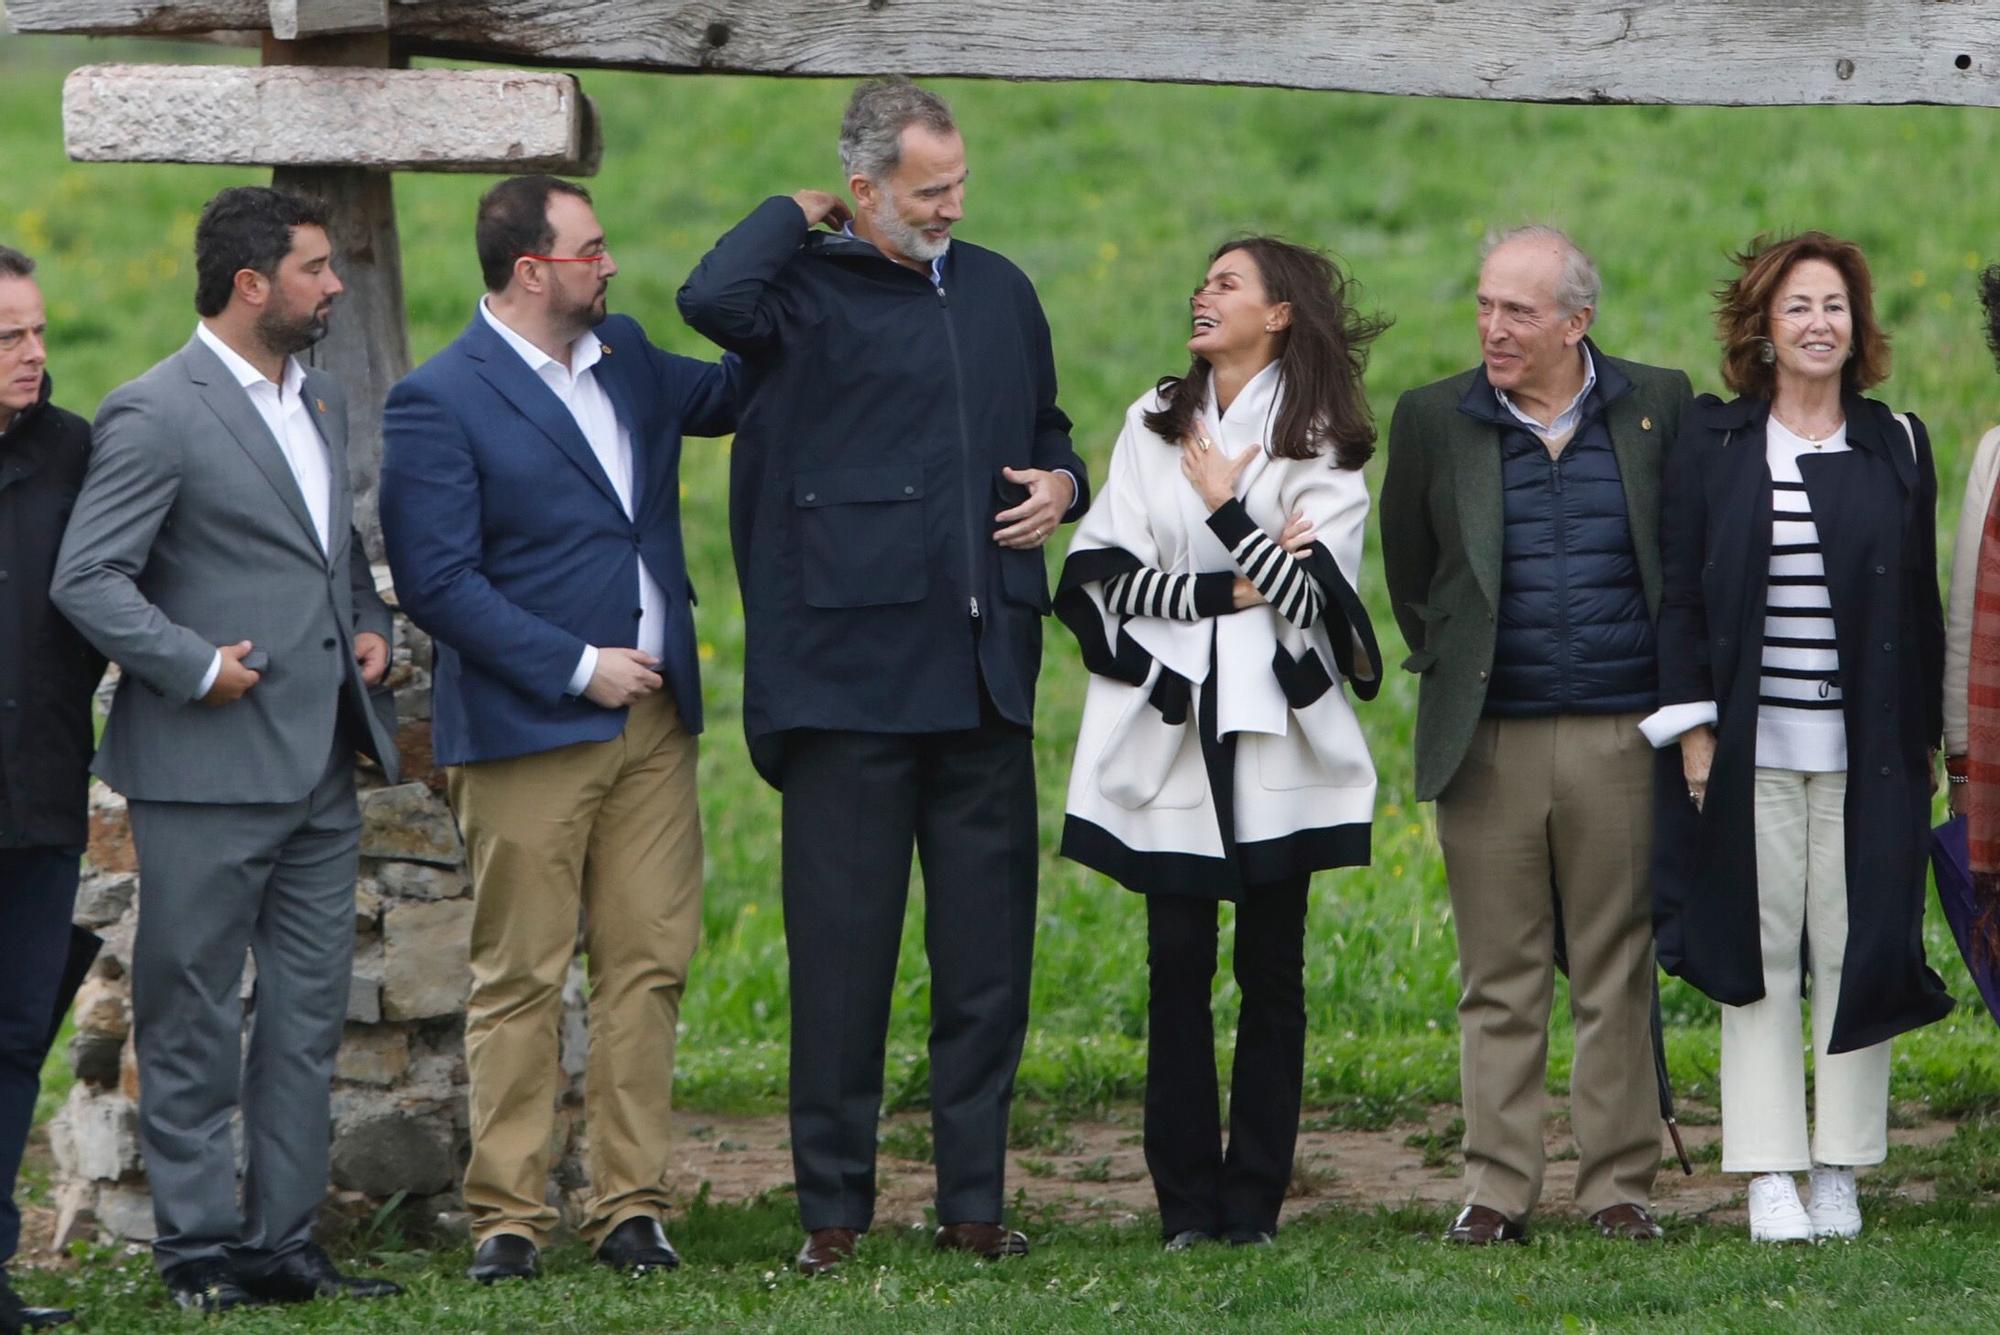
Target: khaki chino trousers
[
  {"x": 611, "y": 830},
  {"x": 1541, "y": 810}
]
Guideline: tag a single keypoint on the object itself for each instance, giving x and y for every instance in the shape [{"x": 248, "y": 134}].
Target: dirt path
[{"x": 1096, "y": 1172}]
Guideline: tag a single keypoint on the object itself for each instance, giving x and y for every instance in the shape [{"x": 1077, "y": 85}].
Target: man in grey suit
[{"x": 211, "y": 555}]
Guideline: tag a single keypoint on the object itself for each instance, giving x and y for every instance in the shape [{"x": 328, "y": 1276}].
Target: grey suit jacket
[
  {"x": 190, "y": 532},
  {"x": 1442, "y": 531}
]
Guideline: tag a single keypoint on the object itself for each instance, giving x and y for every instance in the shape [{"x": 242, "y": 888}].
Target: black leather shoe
[
  {"x": 637, "y": 1246},
  {"x": 206, "y": 1285},
  {"x": 308, "y": 1273},
  {"x": 506, "y": 1256},
  {"x": 1188, "y": 1239},
  {"x": 16, "y": 1316}
]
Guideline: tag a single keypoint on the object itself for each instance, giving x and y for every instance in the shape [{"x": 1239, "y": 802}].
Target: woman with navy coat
[{"x": 1801, "y": 646}]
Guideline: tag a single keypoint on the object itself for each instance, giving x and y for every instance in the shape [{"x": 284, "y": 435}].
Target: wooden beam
[
  {"x": 294, "y": 116},
  {"x": 292, "y": 20},
  {"x": 1728, "y": 52}
]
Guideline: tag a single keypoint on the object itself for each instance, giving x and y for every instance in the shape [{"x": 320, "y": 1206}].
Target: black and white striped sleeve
[
  {"x": 1293, "y": 593},
  {"x": 1146, "y": 592}
]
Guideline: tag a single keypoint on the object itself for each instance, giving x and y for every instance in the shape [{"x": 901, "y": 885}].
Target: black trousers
[
  {"x": 855, "y": 804},
  {"x": 37, "y": 896},
  {"x": 1201, "y": 1187}
]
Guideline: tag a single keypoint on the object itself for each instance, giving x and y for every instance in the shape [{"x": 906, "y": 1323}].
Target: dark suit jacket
[
  {"x": 1442, "y": 529},
  {"x": 47, "y": 670},
  {"x": 510, "y": 547}
]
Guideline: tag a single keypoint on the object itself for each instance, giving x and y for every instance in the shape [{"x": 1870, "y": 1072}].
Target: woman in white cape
[{"x": 1219, "y": 757}]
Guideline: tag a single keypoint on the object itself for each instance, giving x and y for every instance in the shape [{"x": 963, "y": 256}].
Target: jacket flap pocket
[{"x": 858, "y": 486}]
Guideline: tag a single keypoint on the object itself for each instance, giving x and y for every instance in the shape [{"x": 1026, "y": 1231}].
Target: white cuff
[
  {"x": 1667, "y": 723},
  {"x": 1074, "y": 490},
  {"x": 208, "y": 678},
  {"x": 586, "y": 668}
]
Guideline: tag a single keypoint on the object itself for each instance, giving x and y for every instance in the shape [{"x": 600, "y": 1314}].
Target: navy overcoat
[{"x": 1875, "y": 509}]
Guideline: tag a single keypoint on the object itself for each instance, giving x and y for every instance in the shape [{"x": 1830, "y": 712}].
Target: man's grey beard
[
  {"x": 908, "y": 241},
  {"x": 286, "y": 334}
]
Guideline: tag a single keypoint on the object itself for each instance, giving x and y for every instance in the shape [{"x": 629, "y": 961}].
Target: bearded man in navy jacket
[
  {"x": 901, "y": 461},
  {"x": 531, "y": 509}
]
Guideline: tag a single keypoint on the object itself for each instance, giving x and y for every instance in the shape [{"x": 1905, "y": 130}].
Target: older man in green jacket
[{"x": 1520, "y": 523}]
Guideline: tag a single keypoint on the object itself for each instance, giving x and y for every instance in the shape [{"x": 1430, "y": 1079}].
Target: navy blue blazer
[{"x": 509, "y": 546}]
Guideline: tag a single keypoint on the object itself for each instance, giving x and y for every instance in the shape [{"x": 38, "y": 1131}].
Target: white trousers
[{"x": 1801, "y": 896}]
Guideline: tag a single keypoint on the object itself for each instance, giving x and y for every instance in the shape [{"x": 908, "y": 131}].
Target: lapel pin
[
  {"x": 605, "y": 348},
  {"x": 320, "y": 404},
  {"x": 1645, "y": 424}
]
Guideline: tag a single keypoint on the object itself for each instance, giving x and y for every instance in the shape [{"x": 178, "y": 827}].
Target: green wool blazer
[{"x": 1442, "y": 528}]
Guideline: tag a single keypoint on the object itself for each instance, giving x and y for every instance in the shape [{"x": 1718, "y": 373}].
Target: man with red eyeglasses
[{"x": 531, "y": 510}]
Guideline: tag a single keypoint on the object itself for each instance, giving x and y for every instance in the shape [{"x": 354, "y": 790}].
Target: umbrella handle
[{"x": 1680, "y": 1149}]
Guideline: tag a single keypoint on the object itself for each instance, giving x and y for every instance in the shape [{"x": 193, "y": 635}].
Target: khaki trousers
[
  {"x": 1541, "y": 809},
  {"x": 1801, "y": 897},
  {"x": 610, "y": 829}
]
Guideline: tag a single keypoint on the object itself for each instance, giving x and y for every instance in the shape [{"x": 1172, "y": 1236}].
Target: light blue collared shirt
[
  {"x": 1566, "y": 420},
  {"x": 937, "y": 264}
]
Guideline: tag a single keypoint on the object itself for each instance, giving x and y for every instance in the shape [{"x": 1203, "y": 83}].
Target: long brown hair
[
  {"x": 1322, "y": 356},
  {"x": 1743, "y": 312}
]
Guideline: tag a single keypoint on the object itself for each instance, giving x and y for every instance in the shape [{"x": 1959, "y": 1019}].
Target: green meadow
[{"x": 1110, "y": 196}]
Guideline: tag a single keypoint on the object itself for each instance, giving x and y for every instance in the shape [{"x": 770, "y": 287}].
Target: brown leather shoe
[
  {"x": 1482, "y": 1226},
  {"x": 1627, "y": 1223},
  {"x": 825, "y": 1248},
  {"x": 989, "y": 1242}
]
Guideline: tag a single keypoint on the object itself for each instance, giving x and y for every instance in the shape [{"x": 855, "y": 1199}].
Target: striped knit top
[
  {"x": 1293, "y": 593},
  {"x": 1799, "y": 721}
]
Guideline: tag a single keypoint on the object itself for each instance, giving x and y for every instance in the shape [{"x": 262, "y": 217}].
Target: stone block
[
  {"x": 411, "y": 823},
  {"x": 367, "y": 906},
  {"x": 389, "y": 1152},
  {"x": 376, "y": 1054},
  {"x": 102, "y": 898},
  {"x": 302, "y": 116},
  {"x": 125, "y": 1214},
  {"x": 426, "y": 949},
  {"x": 100, "y": 1136},
  {"x": 95, "y": 1061},
  {"x": 413, "y": 745},
  {"x": 418, "y": 880},
  {"x": 364, "y": 987},
  {"x": 110, "y": 847},
  {"x": 103, "y": 1008}
]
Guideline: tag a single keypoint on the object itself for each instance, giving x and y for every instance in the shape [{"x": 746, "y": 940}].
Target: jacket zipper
[
  {"x": 965, "y": 447},
  {"x": 1559, "y": 507}
]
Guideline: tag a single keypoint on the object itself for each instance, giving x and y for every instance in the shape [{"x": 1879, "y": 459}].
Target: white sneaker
[
  {"x": 1835, "y": 1209},
  {"x": 1775, "y": 1212}
]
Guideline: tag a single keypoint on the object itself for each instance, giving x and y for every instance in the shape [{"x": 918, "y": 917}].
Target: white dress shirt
[
  {"x": 283, "y": 410},
  {"x": 609, "y": 439}
]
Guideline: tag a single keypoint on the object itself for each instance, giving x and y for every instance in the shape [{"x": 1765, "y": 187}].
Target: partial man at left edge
[{"x": 47, "y": 674}]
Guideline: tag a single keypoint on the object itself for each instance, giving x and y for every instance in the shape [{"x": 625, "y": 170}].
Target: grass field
[{"x": 1110, "y": 196}]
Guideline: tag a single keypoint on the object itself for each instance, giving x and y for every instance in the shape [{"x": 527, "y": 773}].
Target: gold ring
[{"x": 1202, "y": 441}]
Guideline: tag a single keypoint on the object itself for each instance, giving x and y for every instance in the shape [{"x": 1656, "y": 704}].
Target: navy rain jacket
[{"x": 877, "y": 413}]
